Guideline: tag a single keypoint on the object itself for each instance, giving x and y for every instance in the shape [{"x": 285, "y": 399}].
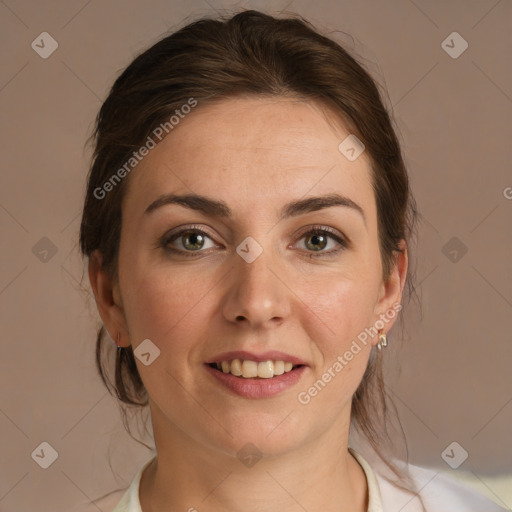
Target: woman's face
[{"x": 250, "y": 276}]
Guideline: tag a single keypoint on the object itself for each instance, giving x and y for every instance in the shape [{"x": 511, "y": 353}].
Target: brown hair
[{"x": 248, "y": 53}]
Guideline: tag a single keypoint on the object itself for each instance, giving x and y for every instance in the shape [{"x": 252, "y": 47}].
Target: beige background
[{"x": 452, "y": 381}]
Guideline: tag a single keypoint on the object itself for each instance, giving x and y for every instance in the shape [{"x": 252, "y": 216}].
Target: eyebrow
[{"x": 216, "y": 208}]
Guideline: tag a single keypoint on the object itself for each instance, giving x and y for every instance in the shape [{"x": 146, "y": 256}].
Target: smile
[
  {"x": 248, "y": 369},
  {"x": 249, "y": 384}
]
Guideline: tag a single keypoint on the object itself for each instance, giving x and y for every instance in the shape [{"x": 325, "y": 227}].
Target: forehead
[{"x": 252, "y": 151}]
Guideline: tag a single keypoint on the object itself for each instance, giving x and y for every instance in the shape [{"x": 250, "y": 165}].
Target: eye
[
  {"x": 192, "y": 241},
  {"x": 317, "y": 239},
  {"x": 185, "y": 241}
]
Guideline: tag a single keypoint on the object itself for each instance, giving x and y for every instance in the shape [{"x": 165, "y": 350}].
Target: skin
[{"x": 255, "y": 154}]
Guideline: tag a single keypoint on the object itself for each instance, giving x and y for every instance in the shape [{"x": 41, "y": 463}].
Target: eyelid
[
  {"x": 342, "y": 241},
  {"x": 319, "y": 227},
  {"x": 179, "y": 231}
]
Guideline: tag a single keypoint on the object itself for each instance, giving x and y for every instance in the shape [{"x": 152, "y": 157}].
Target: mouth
[
  {"x": 249, "y": 369},
  {"x": 256, "y": 379}
]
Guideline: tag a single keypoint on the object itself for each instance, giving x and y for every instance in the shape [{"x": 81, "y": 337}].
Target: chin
[{"x": 256, "y": 435}]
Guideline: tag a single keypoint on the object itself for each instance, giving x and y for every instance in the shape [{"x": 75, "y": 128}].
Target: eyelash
[{"x": 314, "y": 230}]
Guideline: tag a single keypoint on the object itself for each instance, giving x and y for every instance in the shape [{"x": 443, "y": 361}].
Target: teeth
[
  {"x": 252, "y": 369},
  {"x": 236, "y": 367},
  {"x": 249, "y": 369},
  {"x": 266, "y": 369},
  {"x": 278, "y": 367}
]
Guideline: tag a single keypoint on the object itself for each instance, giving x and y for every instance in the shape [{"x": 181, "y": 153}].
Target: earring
[
  {"x": 119, "y": 348},
  {"x": 383, "y": 342}
]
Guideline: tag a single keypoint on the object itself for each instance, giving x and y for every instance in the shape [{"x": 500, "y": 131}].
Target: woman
[{"x": 246, "y": 222}]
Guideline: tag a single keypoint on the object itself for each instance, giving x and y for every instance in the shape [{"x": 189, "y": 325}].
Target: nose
[{"x": 256, "y": 294}]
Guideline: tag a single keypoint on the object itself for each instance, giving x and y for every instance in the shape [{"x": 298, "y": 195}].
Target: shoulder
[
  {"x": 439, "y": 491},
  {"x": 111, "y": 501},
  {"x": 121, "y": 500},
  {"x": 107, "y": 503}
]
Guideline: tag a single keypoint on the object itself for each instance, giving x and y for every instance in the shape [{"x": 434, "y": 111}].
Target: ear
[
  {"x": 390, "y": 295},
  {"x": 108, "y": 300}
]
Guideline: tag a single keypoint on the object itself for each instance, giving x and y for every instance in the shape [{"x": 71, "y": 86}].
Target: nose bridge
[{"x": 254, "y": 293}]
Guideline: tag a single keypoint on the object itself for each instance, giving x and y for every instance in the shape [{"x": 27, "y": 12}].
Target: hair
[{"x": 246, "y": 54}]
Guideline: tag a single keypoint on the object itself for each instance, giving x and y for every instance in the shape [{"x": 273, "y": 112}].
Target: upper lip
[{"x": 271, "y": 355}]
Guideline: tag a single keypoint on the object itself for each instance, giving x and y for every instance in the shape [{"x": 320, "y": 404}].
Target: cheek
[
  {"x": 341, "y": 303},
  {"x": 171, "y": 314},
  {"x": 159, "y": 304},
  {"x": 337, "y": 323},
  {"x": 342, "y": 306}
]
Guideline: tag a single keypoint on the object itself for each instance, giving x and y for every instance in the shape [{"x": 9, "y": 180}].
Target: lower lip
[{"x": 257, "y": 388}]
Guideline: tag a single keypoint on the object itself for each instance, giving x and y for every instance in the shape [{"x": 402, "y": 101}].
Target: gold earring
[{"x": 383, "y": 342}]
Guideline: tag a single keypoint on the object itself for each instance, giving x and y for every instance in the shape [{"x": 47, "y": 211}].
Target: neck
[{"x": 189, "y": 476}]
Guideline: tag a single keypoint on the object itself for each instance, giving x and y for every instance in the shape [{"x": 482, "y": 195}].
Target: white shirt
[{"x": 440, "y": 493}]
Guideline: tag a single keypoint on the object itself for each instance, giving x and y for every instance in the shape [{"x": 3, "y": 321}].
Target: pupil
[
  {"x": 195, "y": 237},
  {"x": 315, "y": 239}
]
